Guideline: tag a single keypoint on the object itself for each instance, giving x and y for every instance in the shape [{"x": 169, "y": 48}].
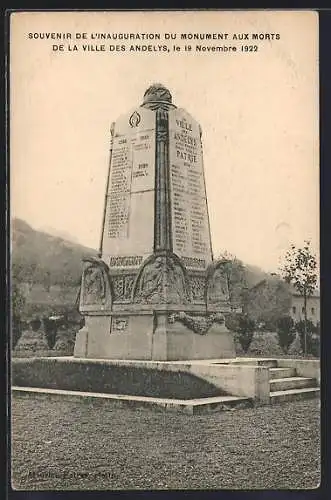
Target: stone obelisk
[{"x": 155, "y": 292}]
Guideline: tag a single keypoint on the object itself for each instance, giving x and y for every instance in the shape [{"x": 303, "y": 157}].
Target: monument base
[
  {"x": 190, "y": 386},
  {"x": 154, "y": 335}
]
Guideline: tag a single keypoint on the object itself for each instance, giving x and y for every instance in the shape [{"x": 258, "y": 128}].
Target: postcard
[{"x": 164, "y": 200}]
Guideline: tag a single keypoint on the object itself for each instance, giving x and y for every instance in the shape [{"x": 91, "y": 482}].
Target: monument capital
[{"x": 157, "y": 93}]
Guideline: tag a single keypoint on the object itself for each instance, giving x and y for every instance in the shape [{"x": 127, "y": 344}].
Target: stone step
[
  {"x": 294, "y": 395},
  {"x": 190, "y": 406},
  {"x": 269, "y": 362},
  {"x": 285, "y": 384},
  {"x": 282, "y": 373}
]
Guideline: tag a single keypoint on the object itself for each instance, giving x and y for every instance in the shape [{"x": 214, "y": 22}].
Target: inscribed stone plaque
[
  {"x": 190, "y": 224},
  {"x": 119, "y": 325},
  {"x": 129, "y": 220}
]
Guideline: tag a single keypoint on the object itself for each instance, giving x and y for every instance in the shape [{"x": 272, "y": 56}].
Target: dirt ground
[{"x": 79, "y": 446}]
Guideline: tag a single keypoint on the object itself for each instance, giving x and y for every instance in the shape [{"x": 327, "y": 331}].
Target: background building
[{"x": 297, "y": 311}]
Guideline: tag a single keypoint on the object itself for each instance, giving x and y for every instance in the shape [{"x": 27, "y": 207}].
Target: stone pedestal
[
  {"x": 151, "y": 336},
  {"x": 155, "y": 292}
]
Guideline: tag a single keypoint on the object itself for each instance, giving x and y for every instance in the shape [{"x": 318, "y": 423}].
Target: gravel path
[{"x": 73, "y": 446}]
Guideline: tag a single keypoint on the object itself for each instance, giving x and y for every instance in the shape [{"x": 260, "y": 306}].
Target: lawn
[{"x": 72, "y": 446}]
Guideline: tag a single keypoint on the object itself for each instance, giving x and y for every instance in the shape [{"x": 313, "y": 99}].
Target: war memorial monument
[{"x": 155, "y": 292}]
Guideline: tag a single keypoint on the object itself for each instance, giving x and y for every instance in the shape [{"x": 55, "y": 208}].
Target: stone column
[{"x": 162, "y": 230}]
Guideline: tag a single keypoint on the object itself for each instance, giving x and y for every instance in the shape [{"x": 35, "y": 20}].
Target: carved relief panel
[
  {"x": 217, "y": 285},
  {"x": 95, "y": 293},
  {"x": 161, "y": 281}
]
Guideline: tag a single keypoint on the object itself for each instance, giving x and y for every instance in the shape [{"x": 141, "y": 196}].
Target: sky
[{"x": 258, "y": 112}]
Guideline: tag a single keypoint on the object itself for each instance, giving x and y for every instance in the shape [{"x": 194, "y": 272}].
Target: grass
[
  {"x": 92, "y": 376},
  {"x": 76, "y": 446}
]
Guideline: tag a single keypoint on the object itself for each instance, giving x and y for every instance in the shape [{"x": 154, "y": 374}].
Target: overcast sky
[{"x": 258, "y": 112}]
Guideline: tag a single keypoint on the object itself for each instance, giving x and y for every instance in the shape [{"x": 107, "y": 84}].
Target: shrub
[
  {"x": 313, "y": 345},
  {"x": 243, "y": 327},
  {"x": 270, "y": 325},
  {"x": 35, "y": 324},
  {"x": 50, "y": 331},
  {"x": 295, "y": 348},
  {"x": 238, "y": 348},
  {"x": 265, "y": 344},
  {"x": 240, "y": 325},
  {"x": 245, "y": 331},
  {"x": 285, "y": 332}
]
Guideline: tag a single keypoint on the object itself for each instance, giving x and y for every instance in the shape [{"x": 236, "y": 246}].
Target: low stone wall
[
  {"x": 304, "y": 367},
  {"x": 238, "y": 380},
  {"x": 148, "y": 378}
]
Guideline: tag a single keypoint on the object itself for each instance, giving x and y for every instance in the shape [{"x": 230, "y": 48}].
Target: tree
[
  {"x": 267, "y": 301},
  {"x": 309, "y": 336},
  {"x": 285, "y": 332},
  {"x": 235, "y": 277},
  {"x": 300, "y": 269}
]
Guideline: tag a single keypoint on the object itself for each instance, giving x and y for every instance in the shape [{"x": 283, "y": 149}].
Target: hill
[
  {"x": 65, "y": 235},
  {"x": 38, "y": 257}
]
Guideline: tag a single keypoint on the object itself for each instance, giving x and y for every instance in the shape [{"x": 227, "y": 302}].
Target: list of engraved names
[
  {"x": 189, "y": 206},
  {"x": 131, "y": 172}
]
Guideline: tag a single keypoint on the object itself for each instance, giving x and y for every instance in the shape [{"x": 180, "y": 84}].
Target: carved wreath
[{"x": 198, "y": 324}]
